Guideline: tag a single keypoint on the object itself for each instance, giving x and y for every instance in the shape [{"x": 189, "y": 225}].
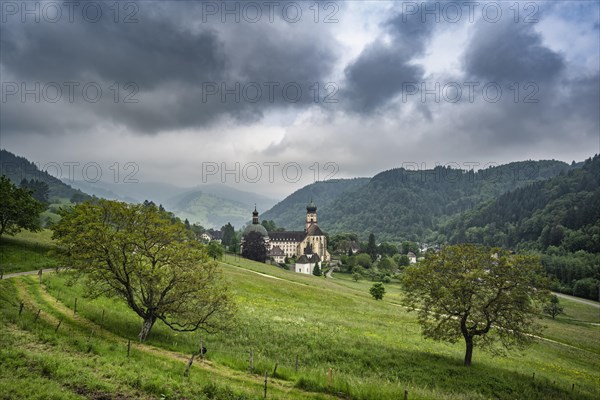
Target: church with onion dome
[{"x": 308, "y": 246}]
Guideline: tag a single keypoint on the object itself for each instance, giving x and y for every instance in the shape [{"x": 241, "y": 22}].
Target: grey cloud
[
  {"x": 510, "y": 52},
  {"x": 376, "y": 77},
  {"x": 383, "y": 68},
  {"x": 169, "y": 56}
]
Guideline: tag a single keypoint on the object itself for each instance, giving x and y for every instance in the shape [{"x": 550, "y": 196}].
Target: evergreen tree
[
  {"x": 372, "y": 247},
  {"x": 39, "y": 190},
  {"x": 234, "y": 245},
  {"x": 228, "y": 234},
  {"x": 316, "y": 270}
]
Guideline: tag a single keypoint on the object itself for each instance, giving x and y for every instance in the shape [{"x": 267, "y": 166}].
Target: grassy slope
[
  {"x": 374, "y": 347},
  {"x": 26, "y": 251}
]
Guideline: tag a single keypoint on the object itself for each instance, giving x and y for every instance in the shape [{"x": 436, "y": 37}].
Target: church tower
[
  {"x": 255, "y": 216},
  {"x": 311, "y": 214}
]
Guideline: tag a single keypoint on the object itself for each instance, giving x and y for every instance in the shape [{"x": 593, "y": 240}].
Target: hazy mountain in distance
[
  {"x": 214, "y": 205},
  {"x": 135, "y": 192},
  {"x": 98, "y": 189},
  {"x": 211, "y": 205},
  {"x": 244, "y": 199}
]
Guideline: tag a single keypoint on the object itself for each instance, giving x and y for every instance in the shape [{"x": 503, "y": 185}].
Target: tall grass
[{"x": 374, "y": 348}]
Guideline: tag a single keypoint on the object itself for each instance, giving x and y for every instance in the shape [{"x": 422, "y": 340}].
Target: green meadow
[
  {"x": 27, "y": 251},
  {"x": 295, "y": 327}
]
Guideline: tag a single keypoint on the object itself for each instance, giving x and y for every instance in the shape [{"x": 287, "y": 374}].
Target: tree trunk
[
  {"x": 146, "y": 327},
  {"x": 469, "y": 350}
]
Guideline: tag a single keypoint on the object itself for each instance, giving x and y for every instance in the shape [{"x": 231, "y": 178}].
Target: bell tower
[
  {"x": 311, "y": 214},
  {"x": 255, "y": 216}
]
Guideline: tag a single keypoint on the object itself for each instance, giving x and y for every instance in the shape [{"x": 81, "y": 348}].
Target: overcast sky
[{"x": 190, "y": 88}]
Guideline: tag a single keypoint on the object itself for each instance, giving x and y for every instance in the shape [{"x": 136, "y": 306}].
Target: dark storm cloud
[
  {"x": 383, "y": 68},
  {"x": 172, "y": 57},
  {"x": 149, "y": 53},
  {"x": 540, "y": 101},
  {"x": 508, "y": 51}
]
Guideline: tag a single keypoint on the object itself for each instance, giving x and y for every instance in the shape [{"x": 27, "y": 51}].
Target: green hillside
[
  {"x": 27, "y": 251},
  {"x": 291, "y": 212},
  {"x": 560, "y": 217},
  {"x": 373, "y": 348},
  {"x": 17, "y": 168},
  {"x": 400, "y": 204}
]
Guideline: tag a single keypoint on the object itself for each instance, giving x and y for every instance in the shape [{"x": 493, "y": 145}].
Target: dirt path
[
  {"x": 37, "y": 271},
  {"x": 67, "y": 316},
  {"x": 579, "y": 300}
]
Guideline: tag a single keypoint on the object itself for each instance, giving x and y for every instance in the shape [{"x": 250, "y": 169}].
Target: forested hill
[
  {"x": 558, "y": 218},
  {"x": 401, "y": 204},
  {"x": 563, "y": 212},
  {"x": 17, "y": 168},
  {"x": 290, "y": 213}
]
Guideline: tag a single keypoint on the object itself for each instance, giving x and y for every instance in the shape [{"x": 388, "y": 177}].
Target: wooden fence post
[
  {"x": 102, "y": 319},
  {"x": 75, "y": 307},
  {"x": 128, "y": 347},
  {"x": 274, "y": 370},
  {"x": 37, "y": 315},
  {"x": 296, "y": 362},
  {"x": 405, "y": 394},
  {"x": 21, "y": 308},
  {"x": 265, "y": 384},
  {"x": 251, "y": 362},
  {"x": 58, "y": 326},
  {"x": 189, "y": 365},
  {"x": 201, "y": 348}
]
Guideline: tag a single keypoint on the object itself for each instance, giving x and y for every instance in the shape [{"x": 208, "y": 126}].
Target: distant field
[
  {"x": 26, "y": 251},
  {"x": 374, "y": 348}
]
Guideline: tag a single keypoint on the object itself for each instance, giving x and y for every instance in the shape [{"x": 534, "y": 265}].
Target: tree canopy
[
  {"x": 39, "y": 190},
  {"x": 254, "y": 247},
  {"x": 215, "y": 250},
  {"x": 483, "y": 295},
  {"x": 138, "y": 253},
  {"x": 18, "y": 209},
  {"x": 377, "y": 291}
]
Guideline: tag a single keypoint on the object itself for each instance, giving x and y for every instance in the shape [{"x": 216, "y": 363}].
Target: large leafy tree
[
  {"x": 254, "y": 247},
  {"x": 18, "y": 209},
  {"x": 138, "y": 253},
  {"x": 481, "y": 295}
]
